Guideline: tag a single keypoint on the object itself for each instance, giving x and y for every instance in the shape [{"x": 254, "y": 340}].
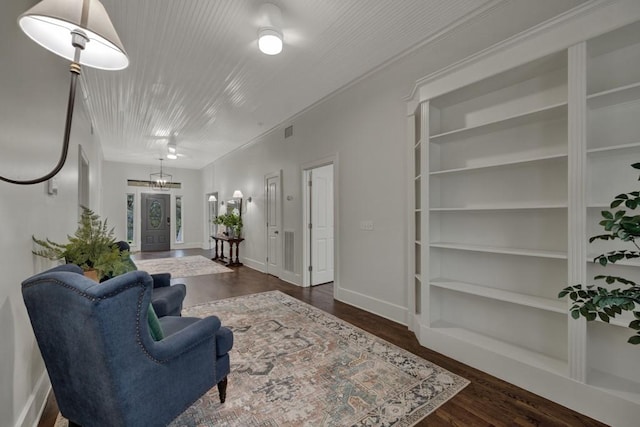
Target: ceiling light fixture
[
  {"x": 160, "y": 181},
  {"x": 172, "y": 148},
  {"x": 80, "y": 31},
  {"x": 270, "y": 31}
]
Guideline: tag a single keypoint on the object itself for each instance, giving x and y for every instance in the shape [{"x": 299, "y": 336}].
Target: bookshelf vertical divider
[{"x": 577, "y": 202}]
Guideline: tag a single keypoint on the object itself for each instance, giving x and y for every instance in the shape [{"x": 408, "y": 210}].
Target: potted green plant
[
  {"x": 92, "y": 247},
  {"x": 232, "y": 221},
  {"x": 599, "y": 302}
]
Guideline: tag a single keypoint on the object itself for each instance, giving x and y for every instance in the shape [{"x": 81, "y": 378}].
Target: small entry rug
[
  {"x": 295, "y": 365},
  {"x": 185, "y": 266}
]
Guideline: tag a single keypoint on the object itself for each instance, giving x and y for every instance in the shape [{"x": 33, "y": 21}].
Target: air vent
[
  {"x": 288, "y": 131},
  {"x": 288, "y": 251}
]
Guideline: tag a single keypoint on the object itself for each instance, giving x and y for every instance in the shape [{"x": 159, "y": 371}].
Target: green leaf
[
  {"x": 635, "y": 340},
  {"x": 602, "y": 260},
  {"x": 616, "y": 203},
  {"x": 591, "y": 317},
  {"x": 575, "y": 314},
  {"x": 636, "y": 165},
  {"x": 635, "y": 324},
  {"x": 603, "y": 317},
  {"x": 607, "y": 214},
  {"x": 622, "y": 196},
  {"x": 563, "y": 293},
  {"x": 631, "y": 204}
]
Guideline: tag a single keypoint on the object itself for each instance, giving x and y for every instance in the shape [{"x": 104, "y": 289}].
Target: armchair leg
[{"x": 222, "y": 389}]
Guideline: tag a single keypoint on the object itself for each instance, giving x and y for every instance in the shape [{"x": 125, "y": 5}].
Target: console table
[{"x": 233, "y": 241}]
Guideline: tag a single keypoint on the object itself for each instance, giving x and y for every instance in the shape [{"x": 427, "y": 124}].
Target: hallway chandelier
[
  {"x": 80, "y": 31},
  {"x": 159, "y": 180}
]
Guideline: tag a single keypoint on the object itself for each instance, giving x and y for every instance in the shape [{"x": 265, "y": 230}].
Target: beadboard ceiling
[{"x": 196, "y": 74}]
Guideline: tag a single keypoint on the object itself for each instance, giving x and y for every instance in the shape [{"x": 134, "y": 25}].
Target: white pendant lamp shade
[
  {"x": 270, "y": 31},
  {"x": 50, "y": 23},
  {"x": 237, "y": 194}
]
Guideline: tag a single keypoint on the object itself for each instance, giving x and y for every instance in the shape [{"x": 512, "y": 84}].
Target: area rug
[
  {"x": 295, "y": 365},
  {"x": 185, "y": 266}
]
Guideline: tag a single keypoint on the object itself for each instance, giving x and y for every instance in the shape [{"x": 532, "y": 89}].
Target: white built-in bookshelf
[
  {"x": 613, "y": 144},
  {"x": 511, "y": 173}
]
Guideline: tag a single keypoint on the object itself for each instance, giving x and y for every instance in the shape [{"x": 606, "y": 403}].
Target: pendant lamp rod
[
  {"x": 75, "y": 72},
  {"x": 86, "y": 21}
]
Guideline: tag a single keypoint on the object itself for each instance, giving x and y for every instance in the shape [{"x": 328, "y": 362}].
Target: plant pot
[{"x": 91, "y": 274}]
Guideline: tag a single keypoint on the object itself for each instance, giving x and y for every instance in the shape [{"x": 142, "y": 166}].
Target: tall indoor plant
[
  {"x": 604, "y": 303},
  {"x": 92, "y": 247}
]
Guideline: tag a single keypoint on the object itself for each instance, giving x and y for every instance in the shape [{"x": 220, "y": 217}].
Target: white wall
[
  {"x": 27, "y": 211},
  {"x": 364, "y": 127},
  {"x": 34, "y": 87},
  {"x": 115, "y": 176}
]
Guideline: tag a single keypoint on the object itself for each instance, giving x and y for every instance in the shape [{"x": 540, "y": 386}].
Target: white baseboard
[
  {"x": 379, "y": 307},
  {"x": 33, "y": 408},
  {"x": 256, "y": 265},
  {"x": 187, "y": 245},
  {"x": 290, "y": 277},
  {"x": 583, "y": 398}
]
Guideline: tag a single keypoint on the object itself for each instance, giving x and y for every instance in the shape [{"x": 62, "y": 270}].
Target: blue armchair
[
  {"x": 104, "y": 365},
  {"x": 166, "y": 298}
]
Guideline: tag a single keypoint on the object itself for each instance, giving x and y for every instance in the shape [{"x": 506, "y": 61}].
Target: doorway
[
  {"x": 156, "y": 222},
  {"x": 273, "y": 196},
  {"x": 212, "y": 213},
  {"x": 319, "y": 224}
]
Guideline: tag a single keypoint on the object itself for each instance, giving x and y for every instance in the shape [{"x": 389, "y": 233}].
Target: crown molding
[{"x": 585, "y": 10}]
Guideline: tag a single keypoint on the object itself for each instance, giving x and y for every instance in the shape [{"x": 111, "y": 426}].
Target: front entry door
[
  {"x": 274, "y": 264},
  {"x": 156, "y": 222}
]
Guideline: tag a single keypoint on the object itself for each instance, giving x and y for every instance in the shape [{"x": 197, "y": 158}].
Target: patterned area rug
[
  {"x": 185, "y": 266},
  {"x": 295, "y": 365}
]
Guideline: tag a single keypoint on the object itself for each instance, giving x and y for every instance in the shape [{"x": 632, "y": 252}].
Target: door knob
[{"x": 276, "y": 232}]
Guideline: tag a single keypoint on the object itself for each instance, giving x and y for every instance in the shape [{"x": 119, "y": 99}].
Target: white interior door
[
  {"x": 321, "y": 225},
  {"x": 274, "y": 225}
]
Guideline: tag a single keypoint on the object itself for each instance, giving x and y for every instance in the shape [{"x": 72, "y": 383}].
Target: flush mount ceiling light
[
  {"x": 80, "y": 31},
  {"x": 270, "y": 31}
]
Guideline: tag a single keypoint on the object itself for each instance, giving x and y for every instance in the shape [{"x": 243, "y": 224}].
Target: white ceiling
[{"x": 196, "y": 71}]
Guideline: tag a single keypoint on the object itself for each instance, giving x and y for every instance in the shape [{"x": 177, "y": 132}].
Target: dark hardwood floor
[{"x": 487, "y": 401}]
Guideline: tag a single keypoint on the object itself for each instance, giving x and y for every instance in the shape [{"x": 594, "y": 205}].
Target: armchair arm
[
  {"x": 161, "y": 280},
  {"x": 200, "y": 333}
]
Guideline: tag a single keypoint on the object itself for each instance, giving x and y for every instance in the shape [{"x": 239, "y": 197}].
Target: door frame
[
  {"x": 306, "y": 241},
  {"x": 207, "y": 217},
  {"x": 280, "y": 248}
]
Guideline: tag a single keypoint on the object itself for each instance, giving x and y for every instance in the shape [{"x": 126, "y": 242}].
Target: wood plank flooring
[{"x": 487, "y": 401}]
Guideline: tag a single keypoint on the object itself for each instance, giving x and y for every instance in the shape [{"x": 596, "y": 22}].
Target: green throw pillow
[{"x": 154, "y": 325}]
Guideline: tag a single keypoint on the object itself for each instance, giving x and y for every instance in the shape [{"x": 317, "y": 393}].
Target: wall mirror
[{"x": 234, "y": 206}]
